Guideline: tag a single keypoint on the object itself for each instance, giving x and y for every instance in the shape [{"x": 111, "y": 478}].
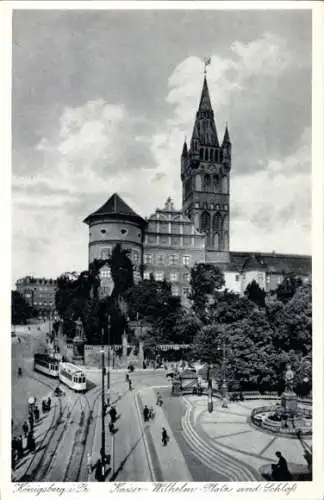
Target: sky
[{"x": 102, "y": 102}]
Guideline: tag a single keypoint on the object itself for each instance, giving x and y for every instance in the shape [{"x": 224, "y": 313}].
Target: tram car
[
  {"x": 73, "y": 377},
  {"x": 46, "y": 364}
]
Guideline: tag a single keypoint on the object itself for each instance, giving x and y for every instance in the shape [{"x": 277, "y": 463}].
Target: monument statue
[{"x": 289, "y": 379}]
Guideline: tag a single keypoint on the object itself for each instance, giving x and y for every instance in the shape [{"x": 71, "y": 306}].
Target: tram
[
  {"x": 73, "y": 377},
  {"x": 46, "y": 364}
]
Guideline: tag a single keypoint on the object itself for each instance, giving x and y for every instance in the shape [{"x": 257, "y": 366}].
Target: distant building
[
  {"x": 171, "y": 241},
  {"x": 38, "y": 293}
]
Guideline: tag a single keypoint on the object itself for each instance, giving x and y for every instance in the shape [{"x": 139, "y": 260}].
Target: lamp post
[
  {"x": 210, "y": 390},
  {"x": 108, "y": 372},
  {"x": 103, "y": 440},
  {"x": 224, "y": 383}
]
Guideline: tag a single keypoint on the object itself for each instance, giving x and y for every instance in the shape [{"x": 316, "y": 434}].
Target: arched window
[
  {"x": 217, "y": 223},
  {"x": 217, "y": 231},
  {"x": 207, "y": 181},
  {"x": 206, "y": 154},
  {"x": 205, "y": 222},
  {"x": 201, "y": 153},
  {"x": 216, "y": 183}
]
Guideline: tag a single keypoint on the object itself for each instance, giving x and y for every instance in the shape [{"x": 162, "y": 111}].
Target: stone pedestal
[
  {"x": 78, "y": 350},
  {"x": 289, "y": 403},
  {"x": 141, "y": 352},
  {"x": 176, "y": 387}
]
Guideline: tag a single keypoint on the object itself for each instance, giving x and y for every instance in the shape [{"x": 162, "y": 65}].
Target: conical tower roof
[
  {"x": 204, "y": 128},
  {"x": 226, "y": 139},
  {"x": 184, "y": 149},
  {"x": 115, "y": 208},
  {"x": 205, "y": 104}
]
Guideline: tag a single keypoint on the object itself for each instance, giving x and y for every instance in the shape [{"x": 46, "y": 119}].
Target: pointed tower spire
[
  {"x": 205, "y": 104},
  {"x": 226, "y": 139},
  {"x": 185, "y": 148}
]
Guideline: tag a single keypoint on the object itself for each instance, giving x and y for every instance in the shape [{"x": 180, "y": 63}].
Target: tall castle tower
[{"x": 205, "y": 176}]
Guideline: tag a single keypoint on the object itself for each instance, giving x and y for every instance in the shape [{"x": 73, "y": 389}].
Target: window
[
  {"x": 237, "y": 277},
  {"x": 147, "y": 258},
  {"x": 173, "y": 276},
  {"x": 173, "y": 259},
  {"x": 146, "y": 275},
  {"x": 204, "y": 222},
  {"x": 160, "y": 259},
  {"x": 186, "y": 260},
  {"x": 105, "y": 253},
  {"x": 268, "y": 280},
  {"x": 260, "y": 277},
  {"x": 279, "y": 280},
  {"x": 186, "y": 291},
  {"x": 217, "y": 223},
  {"x": 175, "y": 291},
  {"x": 105, "y": 273},
  {"x": 159, "y": 275},
  {"x": 206, "y": 181},
  {"x": 186, "y": 277},
  {"x": 103, "y": 231},
  {"x": 124, "y": 231}
]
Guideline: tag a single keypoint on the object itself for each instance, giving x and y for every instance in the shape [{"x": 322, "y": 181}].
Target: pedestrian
[
  {"x": 49, "y": 403},
  {"x": 31, "y": 445},
  {"x": 111, "y": 427},
  {"x": 159, "y": 400},
  {"x": 98, "y": 471},
  {"x": 89, "y": 462},
  {"x": 151, "y": 413},
  {"x": 165, "y": 437},
  {"x": 20, "y": 449},
  {"x": 280, "y": 471},
  {"x": 113, "y": 414},
  {"x": 130, "y": 384},
  {"x": 19, "y": 372},
  {"x": 25, "y": 428},
  {"x": 146, "y": 413},
  {"x": 44, "y": 406},
  {"x": 31, "y": 421},
  {"x": 36, "y": 414},
  {"x": 127, "y": 377}
]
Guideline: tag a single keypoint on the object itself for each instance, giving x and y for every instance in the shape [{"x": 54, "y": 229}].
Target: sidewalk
[
  {"x": 24, "y": 465},
  {"x": 171, "y": 461}
]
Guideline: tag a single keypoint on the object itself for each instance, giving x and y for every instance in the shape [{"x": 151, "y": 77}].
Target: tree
[
  {"x": 287, "y": 289},
  {"x": 205, "y": 280},
  {"x": 255, "y": 294},
  {"x": 121, "y": 270},
  {"x": 229, "y": 307},
  {"x": 21, "y": 311}
]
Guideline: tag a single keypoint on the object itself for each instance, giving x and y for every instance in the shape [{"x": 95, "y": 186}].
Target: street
[{"x": 220, "y": 446}]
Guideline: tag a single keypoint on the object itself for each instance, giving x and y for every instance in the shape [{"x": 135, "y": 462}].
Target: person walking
[
  {"x": 20, "y": 449},
  {"x": 25, "y": 428},
  {"x": 159, "y": 400},
  {"x": 31, "y": 445},
  {"x": 151, "y": 413},
  {"x": 127, "y": 377},
  {"x": 129, "y": 384},
  {"x": 113, "y": 414},
  {"x": 49, "y": 401},
  {"x": 165, "y": 436},
  {"x": 36, "y": 414},
  {"x": 146, "y": 413},
  {"x": 89, "y": 463},
  {"x": 31, "y": 421}
]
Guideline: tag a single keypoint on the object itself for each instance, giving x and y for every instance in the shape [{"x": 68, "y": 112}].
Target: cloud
[{"x": 97, "y": 148}]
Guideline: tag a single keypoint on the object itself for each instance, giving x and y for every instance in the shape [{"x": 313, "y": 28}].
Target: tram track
[{"x": 80, "y": 442}]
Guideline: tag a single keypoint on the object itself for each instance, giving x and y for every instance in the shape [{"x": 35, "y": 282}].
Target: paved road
[{"x": 73, "y": 430}]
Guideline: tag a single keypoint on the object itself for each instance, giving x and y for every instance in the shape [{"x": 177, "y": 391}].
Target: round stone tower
[{"x": 115, "y": 222}]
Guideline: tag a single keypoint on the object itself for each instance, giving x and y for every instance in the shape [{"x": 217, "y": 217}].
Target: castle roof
[
  {"x": 115, "y": 208},
  {"x": 274, "y": 263}
]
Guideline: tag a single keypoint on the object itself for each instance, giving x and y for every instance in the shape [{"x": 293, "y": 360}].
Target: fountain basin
[{"x": 272, "y": 419}]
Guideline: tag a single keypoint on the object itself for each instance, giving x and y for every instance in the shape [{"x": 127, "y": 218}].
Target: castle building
[{"x": 169, "y": 242}]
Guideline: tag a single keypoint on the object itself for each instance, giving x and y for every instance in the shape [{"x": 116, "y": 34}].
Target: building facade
[
  {"x": 38, "y": 293},
  {"x": 169, "y": 242}
]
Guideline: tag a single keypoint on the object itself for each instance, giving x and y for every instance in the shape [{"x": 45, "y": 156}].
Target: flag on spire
[{"x": 207, "y": 62}]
